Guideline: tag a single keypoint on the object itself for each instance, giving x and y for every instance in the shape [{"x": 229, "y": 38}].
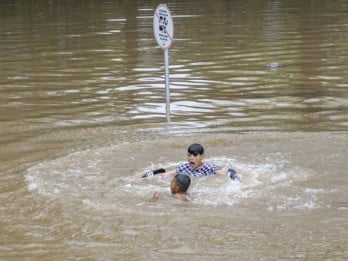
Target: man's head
[{"x": 180, "y": 183}]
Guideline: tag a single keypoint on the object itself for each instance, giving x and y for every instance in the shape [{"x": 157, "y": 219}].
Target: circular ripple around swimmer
[{"x": 110, "y": 178}]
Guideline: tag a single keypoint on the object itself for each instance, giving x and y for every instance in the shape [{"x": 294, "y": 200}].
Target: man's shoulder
[
  {"x": 185, "y": 166},
  {"x": 209, "y": 165}
]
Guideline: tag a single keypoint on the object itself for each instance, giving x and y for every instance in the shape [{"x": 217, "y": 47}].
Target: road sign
[
  {"x": 163, "y": 26},
  {"x": 163, "y": 29}
]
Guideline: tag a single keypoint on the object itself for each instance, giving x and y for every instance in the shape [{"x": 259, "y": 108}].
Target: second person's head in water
[
  {"x": 180, "y": 183},
  {"x": 179, "y": 186}
]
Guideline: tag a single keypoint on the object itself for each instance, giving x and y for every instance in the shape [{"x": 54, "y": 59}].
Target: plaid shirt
[{"x": 204, "y": 170}]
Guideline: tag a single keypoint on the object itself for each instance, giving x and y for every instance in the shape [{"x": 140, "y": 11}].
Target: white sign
[{"x": 163, "y": 26}]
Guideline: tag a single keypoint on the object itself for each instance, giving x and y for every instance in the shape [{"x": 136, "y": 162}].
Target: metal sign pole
[
  {"x": 164, "y": 31},
  {"x": 166, "y": 66}
]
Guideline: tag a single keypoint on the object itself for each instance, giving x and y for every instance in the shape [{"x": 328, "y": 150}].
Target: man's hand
[
  {"x": 154, "y": 172},
  {"x": 233, "y": 175}
]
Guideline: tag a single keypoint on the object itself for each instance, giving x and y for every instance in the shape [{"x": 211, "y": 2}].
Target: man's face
[
  {"x": 174, "y": 188},
  {"x": 195, "y": 160}
]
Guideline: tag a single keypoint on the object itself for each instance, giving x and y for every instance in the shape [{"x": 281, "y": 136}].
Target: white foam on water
[{"x": 88, "y": 177}]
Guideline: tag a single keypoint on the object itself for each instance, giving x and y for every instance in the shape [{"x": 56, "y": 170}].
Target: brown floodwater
[{"x": 263, "y": 85}]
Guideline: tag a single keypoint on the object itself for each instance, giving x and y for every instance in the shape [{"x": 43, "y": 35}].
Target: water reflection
[
  {"x": 245, "y": 65},
  {"x": 102, "y": 58}
]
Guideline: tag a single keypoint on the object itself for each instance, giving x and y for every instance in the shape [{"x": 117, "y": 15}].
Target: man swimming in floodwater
[{"x": 195, "y": 166}]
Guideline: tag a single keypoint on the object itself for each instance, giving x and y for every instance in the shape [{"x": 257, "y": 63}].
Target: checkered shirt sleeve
[{"x": 205, "y": 170}]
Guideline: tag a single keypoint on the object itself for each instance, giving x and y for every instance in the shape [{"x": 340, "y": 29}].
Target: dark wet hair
[
  {"x": 195, "y": 149},
  {"x": 183, "y": 181}
]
